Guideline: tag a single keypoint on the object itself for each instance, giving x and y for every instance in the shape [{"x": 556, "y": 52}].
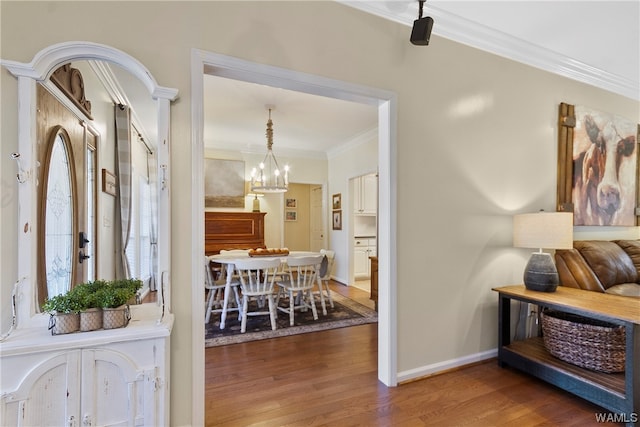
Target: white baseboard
[{"x": 425, "y": 371}]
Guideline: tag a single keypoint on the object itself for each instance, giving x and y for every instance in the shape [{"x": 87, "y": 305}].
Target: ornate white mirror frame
[{"x": 40, "y": 69}]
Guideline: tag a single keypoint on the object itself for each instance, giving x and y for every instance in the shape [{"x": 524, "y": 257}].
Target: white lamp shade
[{"x": 543, "y": 230}]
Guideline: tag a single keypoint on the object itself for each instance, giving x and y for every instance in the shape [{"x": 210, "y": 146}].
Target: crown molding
[{"x": 481, "y": 37}]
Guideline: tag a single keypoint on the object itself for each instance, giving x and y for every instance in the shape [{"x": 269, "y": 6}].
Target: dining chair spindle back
[
  {"x": 257, "y": 277},
  {"x": 298, "y": 285}
]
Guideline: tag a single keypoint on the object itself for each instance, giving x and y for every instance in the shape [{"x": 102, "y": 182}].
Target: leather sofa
[{"x": 601, "y": 266}]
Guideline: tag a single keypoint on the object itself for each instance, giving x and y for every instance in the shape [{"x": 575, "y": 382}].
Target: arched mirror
[{"x": 76, "y": 192}]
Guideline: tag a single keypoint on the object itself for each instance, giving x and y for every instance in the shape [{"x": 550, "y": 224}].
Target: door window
[{"x": 58, "y": 231}]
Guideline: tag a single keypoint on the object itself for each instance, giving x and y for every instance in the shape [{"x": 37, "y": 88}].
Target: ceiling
[{"x": 570, "y": 38}]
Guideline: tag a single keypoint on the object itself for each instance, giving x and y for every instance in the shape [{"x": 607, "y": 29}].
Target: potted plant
[
  {"x": 113, "y": 301},
  {"x": 133, "y": 285},
  {"x": 91, "y": 314},
  {"x": 65, "y": 313}
]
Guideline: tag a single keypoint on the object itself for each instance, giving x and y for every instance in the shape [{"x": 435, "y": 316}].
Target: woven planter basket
[
  {"x": 64, "y": 323},
  {"x": 91, "y": 319},
  {"x": 584, "y": 342},
  {"x": 115, "y": 317}
]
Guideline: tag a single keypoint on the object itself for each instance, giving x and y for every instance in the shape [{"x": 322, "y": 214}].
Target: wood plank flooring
[{"x": 329, "y": 378}]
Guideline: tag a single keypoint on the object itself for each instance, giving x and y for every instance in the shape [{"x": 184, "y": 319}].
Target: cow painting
[{"x": 604, "y": 169}]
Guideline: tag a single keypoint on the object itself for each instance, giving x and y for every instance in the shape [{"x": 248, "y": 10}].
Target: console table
[{"x": 620, "y": 392}]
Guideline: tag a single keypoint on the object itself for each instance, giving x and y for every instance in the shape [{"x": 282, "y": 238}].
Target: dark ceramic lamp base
[{"x": 540, "y": 274}]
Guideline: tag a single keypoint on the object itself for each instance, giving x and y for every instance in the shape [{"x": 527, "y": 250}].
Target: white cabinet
[
  {"x": 362, "y": 250},
  {"x": 103, "y": 378},
  {"x": 365, "y": 195}
]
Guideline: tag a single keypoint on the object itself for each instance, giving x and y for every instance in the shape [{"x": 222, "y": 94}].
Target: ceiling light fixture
[
  {"x": 267, "y": 178},
  {"x": 421, "y": 28}
]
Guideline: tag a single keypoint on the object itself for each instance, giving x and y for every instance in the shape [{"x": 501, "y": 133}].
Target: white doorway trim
[{"x": 234, "y": 68}]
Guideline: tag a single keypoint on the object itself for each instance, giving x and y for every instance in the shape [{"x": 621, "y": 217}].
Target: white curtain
[{"x": 123, "y": 146}]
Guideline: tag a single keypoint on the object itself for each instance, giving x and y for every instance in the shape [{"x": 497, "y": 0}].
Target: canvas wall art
[
  {"x": 603, "y": 167},
  {"x": 224, "y": 183}
]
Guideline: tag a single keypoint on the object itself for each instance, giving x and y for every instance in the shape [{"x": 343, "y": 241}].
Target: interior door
[
  {"x": 316, "y": 220},
  {"x": 62, "y": 150}
]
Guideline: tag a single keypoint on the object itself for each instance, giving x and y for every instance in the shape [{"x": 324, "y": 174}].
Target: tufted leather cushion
[
  {"x": 610, "y": 263},
  {"x": 632, "y": 248},
  {"x": 574, "y": 272}
]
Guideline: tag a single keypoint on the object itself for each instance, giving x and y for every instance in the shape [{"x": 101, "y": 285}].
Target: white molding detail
[
  {"x": 435, "y": 368},
  {"x": 479, "y": 36},
  {"x": 46, "y": 61},
  {"x": 118, "y": 95}
]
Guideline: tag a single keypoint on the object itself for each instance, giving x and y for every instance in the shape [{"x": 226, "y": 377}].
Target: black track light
[{"x": 421, "y": 28}]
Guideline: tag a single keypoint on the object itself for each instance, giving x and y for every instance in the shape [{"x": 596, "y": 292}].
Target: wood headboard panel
[{"x": 233, "y": 230}]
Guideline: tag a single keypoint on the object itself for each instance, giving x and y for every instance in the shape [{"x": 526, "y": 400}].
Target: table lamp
[{"x": 542, "y": 230}]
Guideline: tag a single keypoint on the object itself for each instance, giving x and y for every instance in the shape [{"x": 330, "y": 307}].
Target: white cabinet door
[
  {"x": 365, "y": 195},
  {"x": 90, "y": 387},
  {"x": 113, "y": 390},
  {"x": 360, "y": 262},
  {"x": 369, "y": 194},
  {"x": 48, "y": 396}
]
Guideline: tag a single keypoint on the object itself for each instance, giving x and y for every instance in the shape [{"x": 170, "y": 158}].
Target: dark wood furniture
[
  {"x": 374, "y": 280},
  {"x": 233, "y": 230},
  {"x": 619, "y": 393}
]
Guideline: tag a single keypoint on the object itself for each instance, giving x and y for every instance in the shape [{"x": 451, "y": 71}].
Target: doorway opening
[{"x": 224, "y": 66}]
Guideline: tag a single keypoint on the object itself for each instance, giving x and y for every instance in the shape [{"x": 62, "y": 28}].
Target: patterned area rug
[{"x": 346, "y": 312}]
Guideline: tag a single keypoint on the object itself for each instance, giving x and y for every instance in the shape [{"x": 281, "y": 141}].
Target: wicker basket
[
  {"x": 118, "y": 317},
  {"x": 64, "y": 323},
  {"x": 90, "y": 319},
  {"x": 584, "y": 342}
]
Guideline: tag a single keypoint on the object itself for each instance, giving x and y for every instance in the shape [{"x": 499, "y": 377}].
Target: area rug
[{"x": 346, "y": 312}]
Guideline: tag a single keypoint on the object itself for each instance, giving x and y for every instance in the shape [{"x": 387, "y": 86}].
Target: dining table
[{"x": 231, "y": 258}]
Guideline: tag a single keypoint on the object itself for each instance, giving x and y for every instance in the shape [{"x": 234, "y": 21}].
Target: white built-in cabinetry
[
  {"x": 116, "y": 377},
  {"x": 362, "y": 250},
  {"x": 365, "y": 195}
]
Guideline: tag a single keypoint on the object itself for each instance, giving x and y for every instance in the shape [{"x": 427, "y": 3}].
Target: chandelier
[{"x": 267, "y": 177}]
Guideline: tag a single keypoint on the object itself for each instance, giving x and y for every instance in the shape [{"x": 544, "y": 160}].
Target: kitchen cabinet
[
  {"x": 362, "y": 250},
  {"x": 106, "y": 377},
  {"x": 365, "y": 195}
]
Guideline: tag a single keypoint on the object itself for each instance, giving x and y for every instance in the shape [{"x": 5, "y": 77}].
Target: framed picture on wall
[
  {"x": 290, "y": 215},
  {"x": 337, "y": 220},
  {"x": 108, "y": 182},
  {"x": 291, "y": 203},
  {"x": 337, "y": 201}
]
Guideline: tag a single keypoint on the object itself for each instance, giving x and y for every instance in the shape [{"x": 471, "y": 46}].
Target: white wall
[
  {"x": 360, "y": 157},
  {"x": 476, "y": 143}
]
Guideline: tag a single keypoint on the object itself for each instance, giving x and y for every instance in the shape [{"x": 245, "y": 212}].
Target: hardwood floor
[{"x": 330, "y": 378}]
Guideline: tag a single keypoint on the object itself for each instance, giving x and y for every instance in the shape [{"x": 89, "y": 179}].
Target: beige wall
[
  {"x": 296, "y": 233},
  {"x": 476, "y": 142}
]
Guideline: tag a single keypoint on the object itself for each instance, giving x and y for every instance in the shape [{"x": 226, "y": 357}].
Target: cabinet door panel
[
  {"x": 370, "y": 194},
  {"x": 360, "y": 262},
  {"x": 113, "y": 389},
  {"x": 48, "y": 396}
]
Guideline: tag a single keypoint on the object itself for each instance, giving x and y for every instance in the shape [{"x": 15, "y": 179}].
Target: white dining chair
[
  {"x": 326, "y": 267},
  {"x": 257, "y": 277},
  {"x": 214, "y": 290},
  {"x": 298, "y": 283}
]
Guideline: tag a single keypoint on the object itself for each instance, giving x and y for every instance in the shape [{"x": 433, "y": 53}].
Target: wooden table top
[{"x": 614, "y": 306}]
